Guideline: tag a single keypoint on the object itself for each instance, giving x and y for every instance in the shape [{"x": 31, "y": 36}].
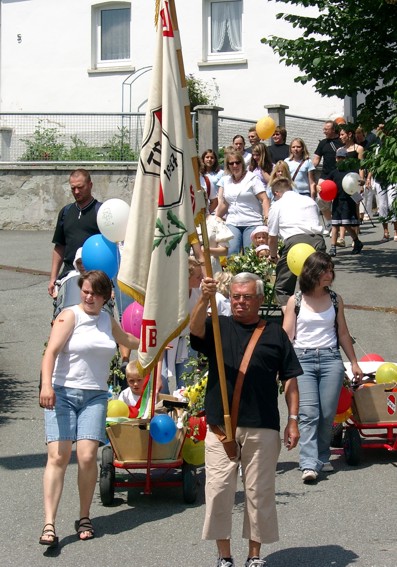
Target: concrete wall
[{"x": 30, "y": 198}]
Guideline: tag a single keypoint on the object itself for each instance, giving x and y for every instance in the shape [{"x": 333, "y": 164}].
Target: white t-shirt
[
  {"x": 293, "y": 214},
  {"x": 84, "y": 360},
  {"x": 245, "y": 209},
  {"x": 128, "y": 397}
]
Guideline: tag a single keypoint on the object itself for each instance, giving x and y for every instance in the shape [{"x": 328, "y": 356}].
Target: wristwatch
[{"x": 295, "y": 417}]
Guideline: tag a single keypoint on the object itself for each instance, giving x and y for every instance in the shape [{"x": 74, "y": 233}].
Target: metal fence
[
  {"x": 70, "y": 137},
  {"x": 99, "y": 137}
]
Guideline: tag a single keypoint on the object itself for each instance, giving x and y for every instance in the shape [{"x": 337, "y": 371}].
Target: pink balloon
[{"x": 131, "y": 319}]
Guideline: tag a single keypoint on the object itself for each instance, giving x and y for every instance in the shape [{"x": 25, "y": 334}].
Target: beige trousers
[{"x": 259, "y": 451}]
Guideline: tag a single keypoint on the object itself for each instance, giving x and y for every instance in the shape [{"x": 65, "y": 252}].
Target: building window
[
  {"x": 112, "y": 31},
  {"x": 224, "y": 30}
]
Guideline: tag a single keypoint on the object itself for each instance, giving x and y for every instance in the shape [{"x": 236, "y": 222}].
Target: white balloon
[
  {"x": 112, "y": 219},
  {"x": 350, "y": 183}
]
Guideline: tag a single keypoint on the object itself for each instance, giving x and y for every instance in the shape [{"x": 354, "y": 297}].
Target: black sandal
[
  {"x": 84, "y": 525},
  {"x": 49, "y": 533}
]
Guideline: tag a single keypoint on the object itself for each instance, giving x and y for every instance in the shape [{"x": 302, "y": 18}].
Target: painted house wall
[{"x": 46, "y": 61}]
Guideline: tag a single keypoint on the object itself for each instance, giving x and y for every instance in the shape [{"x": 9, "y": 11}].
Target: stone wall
[{"x": 30, "y": 198}]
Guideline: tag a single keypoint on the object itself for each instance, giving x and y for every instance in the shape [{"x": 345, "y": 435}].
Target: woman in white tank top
[
  {"x": 315, "y": 323},
  {"x": 73, "y": 392}
]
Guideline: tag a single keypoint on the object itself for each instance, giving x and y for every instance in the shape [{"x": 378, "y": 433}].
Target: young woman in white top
[
  {"x": 315, "y": 323},
  {"x": 74, "y": 393},
  {"x": 243, "y": 200}
]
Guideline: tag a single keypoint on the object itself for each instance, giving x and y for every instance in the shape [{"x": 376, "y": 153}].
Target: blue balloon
[
  {"x": 162, "y": 428},
  {"x": 100, "y": 254}
]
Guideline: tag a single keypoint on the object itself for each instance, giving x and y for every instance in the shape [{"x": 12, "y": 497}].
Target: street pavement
[{"x": 348, "y": 518}]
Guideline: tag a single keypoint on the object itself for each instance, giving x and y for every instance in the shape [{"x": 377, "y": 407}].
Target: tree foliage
[
  {"x": 382, "y": 161},
  {"x": 350, "y": 47}
]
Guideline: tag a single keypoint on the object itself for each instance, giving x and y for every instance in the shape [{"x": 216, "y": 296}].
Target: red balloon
[
  {"x": 131, "y": 320},
  {"x": 197, "y": 428},
  {"x": 372, "y": 356},
  {"x": 329, "y": 190},
  {"x": 345, "y": 400}
]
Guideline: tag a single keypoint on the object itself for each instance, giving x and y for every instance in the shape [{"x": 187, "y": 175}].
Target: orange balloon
[
  {"x": 340, "y": 120},
  {"x": 265, "y": 127}
]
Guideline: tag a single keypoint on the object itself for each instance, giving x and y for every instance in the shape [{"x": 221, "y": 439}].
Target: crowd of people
[{"x": 266, "y": 198}]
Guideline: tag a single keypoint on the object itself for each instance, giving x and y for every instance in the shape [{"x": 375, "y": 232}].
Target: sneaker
[
  {"x": 327, "y": 229},
  {"x": 332, "y": 251},
  {"x": 358, "y": 246},
  {"x": 309, "y": 475},
  {"x": 327, "y": 467},
  {"x": 222, "y": 562},
  {"x": 255, "y": 562},
  {"x": 341, "y": 242}
]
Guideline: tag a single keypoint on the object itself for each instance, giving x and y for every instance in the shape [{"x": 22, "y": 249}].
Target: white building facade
[{"x": 87, "y": 56}]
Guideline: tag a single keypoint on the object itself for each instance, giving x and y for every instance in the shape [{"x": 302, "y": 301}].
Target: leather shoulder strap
[{"x": 241, "y": 372}]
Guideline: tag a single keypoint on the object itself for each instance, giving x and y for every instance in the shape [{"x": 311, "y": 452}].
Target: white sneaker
[
  {"x": 255, "y": 562},
  {"x": 327, "y": 229},
  {"x": 224, "y": 563},
  {"x": 309, "y": 475},
  {"x": 327, "y": 467}
]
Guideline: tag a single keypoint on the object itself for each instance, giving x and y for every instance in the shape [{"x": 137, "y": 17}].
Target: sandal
[
  {"x": 49, "y": 533},
  {"x": 84, "y": 525},
  {"x": 386, "y": 237}
]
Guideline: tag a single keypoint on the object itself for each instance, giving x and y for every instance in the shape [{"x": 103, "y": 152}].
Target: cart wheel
[
  {"x": 352, "y": 446},
  {"x": 189, "y": 483},
  {"x": 107, "y": 477},
  {"x": 337, "y": 435}
]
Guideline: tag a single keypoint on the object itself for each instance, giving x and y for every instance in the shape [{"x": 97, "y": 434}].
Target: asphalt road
[{"x": 347, "y": 518}]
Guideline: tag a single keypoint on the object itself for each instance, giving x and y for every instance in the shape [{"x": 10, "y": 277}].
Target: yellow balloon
[
  {"x": 193, "y": 453},
  {"x": 297, "y": 256},
  {"x": 265, "y": 127},
  {"x": 386, "y": 373},
  {"x": 117, "y": 408}
]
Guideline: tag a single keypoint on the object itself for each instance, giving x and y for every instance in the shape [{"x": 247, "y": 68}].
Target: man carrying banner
[{"x": 255, "y": 420}]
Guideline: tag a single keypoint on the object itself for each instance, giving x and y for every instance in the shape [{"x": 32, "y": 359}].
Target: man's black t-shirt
[
  {"x": 74, "y": 226},
  {"x": 326, "y": 149},
  {"x": 273, "y": 355},
  {"x": 278, "y": 152}
]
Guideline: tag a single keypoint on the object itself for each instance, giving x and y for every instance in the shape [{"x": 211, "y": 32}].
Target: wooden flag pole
[{"x": 207, "y": 258}]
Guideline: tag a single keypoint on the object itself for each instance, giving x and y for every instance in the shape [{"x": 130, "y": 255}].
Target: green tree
[
  {"x": 349, "y": 47},
  {"x": 382, "y": 161}
]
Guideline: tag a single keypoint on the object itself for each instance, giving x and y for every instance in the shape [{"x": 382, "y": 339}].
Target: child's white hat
[
  {"x": 262, "y": 247},
  {"x": 77, "y": 257},
  {"x": 258, "y": 229}
]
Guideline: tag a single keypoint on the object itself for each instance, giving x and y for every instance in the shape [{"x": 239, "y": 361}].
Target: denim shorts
[{"x": 78, "y": 414}]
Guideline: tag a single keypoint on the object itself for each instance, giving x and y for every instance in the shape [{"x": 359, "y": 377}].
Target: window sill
[
  {"x": 113, "y": 70},
  {"x": 222, "y": 62}
]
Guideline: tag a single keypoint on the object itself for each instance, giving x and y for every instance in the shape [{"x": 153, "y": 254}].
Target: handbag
[{"x": 231, "y": 446}]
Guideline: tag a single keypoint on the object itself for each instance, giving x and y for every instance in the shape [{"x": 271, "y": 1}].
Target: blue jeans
[
  {"x": 319, "y": 388},
  {"x": 241, "y": 239}
]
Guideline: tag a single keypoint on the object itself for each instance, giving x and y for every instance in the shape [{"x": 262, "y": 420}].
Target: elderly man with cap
[{"x": 344, "y": 208}]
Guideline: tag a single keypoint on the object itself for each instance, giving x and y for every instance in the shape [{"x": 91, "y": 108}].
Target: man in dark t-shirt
[
  {"x": 326, "y": 151},
  {"x": 76, "y": 222},
  {"x": 258, "y": 422}
]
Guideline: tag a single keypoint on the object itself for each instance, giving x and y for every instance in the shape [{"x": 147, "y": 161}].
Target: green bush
[{"x": 44, "y": 145}]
